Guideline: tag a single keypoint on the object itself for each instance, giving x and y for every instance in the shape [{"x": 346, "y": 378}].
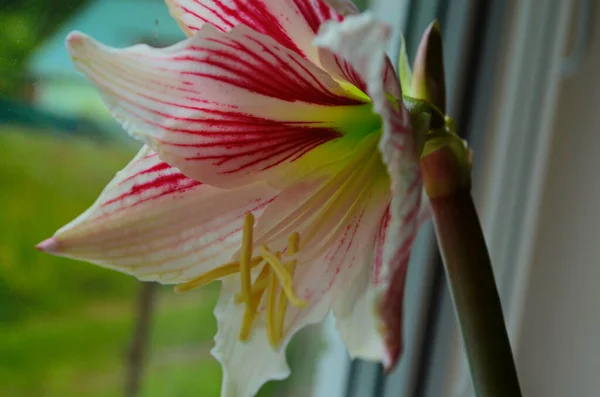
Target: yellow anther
[
  {"x": 270, "y": 309},
  {"x": 285, "y": 279},
  {"x": 293, "y": 243},
  {"x": 293, "y": 246},
  {"x": 245, "y": 255},
  {"x": 214, "y": 274}
]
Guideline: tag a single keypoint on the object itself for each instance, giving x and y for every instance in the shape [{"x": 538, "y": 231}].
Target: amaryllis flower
[{"x": 278, "y": 158}]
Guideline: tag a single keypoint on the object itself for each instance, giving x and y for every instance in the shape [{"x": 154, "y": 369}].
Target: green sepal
[
  {"x": 404, "y": 70},
  {"x": 428, "y": 81}
]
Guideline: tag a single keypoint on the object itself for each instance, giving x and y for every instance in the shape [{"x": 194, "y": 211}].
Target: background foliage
[{"x": 24, "y": 24}]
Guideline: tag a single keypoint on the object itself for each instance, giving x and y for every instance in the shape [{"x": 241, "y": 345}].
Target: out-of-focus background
[
  {"x": 65, "y": 326},
  {"x": 523, "y": 88}
]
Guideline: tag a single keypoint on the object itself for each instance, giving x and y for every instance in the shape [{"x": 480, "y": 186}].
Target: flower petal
[
  {"x": 320, "y": 205},
  {"x": 292, "y": 23},
  {"x": 250, "y": 364},
  {"x": 323, "y": 272},
  {"x": 226, "y": 109},
  {"x": 361, "y": 40},
  {"x": 153, "y": 222},
  {"x": 342, "y": 69},
  {"x": 356, "y": 318},
  {"x": 336, "y": 213}
]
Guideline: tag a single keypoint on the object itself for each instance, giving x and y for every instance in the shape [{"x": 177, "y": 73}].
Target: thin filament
[
  {"x": 245, "y": 255},
  {"x": 251, "y": 310},
  {"x": 293, "y": 246},
  {"x": 285, "y": 279},
  {"x": 270, "y": 309},
  {"x": 214, "y": 274}
]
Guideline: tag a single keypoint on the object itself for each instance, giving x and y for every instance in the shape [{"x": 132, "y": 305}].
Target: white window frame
[{"x": 510, "y": 179}]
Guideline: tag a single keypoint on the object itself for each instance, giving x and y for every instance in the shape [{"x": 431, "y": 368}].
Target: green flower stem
[{"x": 470, "y": 277}]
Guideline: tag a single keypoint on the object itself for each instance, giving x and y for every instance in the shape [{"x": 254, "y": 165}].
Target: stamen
[
  {"x": 270, "y": 309},
  {"x": 260, "y": 284},
  {"x": 250, "y": 312},
  {"x": 257, "y": 287},
  {"x": 293, "y": 246},
  {"x": 273, "y": 274},
  {"x": 285, "y": 279},
  {"x": 245, "y": 255},
  {"x": 215, "y": 274}
]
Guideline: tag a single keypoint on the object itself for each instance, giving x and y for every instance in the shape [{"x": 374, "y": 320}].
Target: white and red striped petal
[
  {"x": 153, "y": 222},
  {"x": 337, "y": 214},
  {"x": 361, "y": 41},
  {"x": 292, "y": 23},
  {"x": 343, "y": 70},
  {"x": 225, "y": 108},
  {"x": 343, "y": 223}
]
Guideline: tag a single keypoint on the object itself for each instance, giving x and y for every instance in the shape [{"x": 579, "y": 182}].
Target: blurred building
[{"x": 57, "y": 86}]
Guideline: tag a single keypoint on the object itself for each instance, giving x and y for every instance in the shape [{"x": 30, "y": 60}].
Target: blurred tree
[
  {"x": 362, "y": 4},
  {"x": 24, "y": 24}
]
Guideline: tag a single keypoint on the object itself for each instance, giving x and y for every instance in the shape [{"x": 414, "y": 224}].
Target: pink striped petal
[
  {"x": 292, "y": 23},
  {"x": 337, "y": 214},
  {"x": 226, "y": 109},
  {"x": 153, "y": 222},
  {"x": 343, "y": 70},
  {"x": 361, "y": 41}
]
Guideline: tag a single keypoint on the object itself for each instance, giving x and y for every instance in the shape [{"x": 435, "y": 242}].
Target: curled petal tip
[
  {"x": 49, "y": 245},
  {"x": 390, "y": 359},
  {"x": 74, "y": 39}
]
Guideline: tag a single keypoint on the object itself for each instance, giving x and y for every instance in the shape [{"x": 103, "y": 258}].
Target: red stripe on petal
[
  {"x": 219, "y": 104},
  {"x": 379, "y": 243},
  {"x": 163, "y": 185},
  {"x": 153, "y": 222},
  {"x": 315, "y": 12},
  {"x": 347, "y": 71},
  {"x": 155, "y": 168},
  {"x": 264, "y": 69},
  {"x": 292, "y": 23}
]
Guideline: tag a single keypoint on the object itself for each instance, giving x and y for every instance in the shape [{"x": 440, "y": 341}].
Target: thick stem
[
  {"x": 475, "y": 296},
  {"x": 137, "y": 353}
]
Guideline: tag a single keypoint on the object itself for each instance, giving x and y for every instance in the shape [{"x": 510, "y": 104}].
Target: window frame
[{"x": 514, "y": 97}]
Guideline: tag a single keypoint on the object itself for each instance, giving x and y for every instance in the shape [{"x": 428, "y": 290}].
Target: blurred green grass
[
  {"x": 45, "y": 182},
  {"x": 65, "y": 325}
]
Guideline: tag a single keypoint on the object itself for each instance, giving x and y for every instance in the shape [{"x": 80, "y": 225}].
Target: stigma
[{"x": 272, "y": 287}]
